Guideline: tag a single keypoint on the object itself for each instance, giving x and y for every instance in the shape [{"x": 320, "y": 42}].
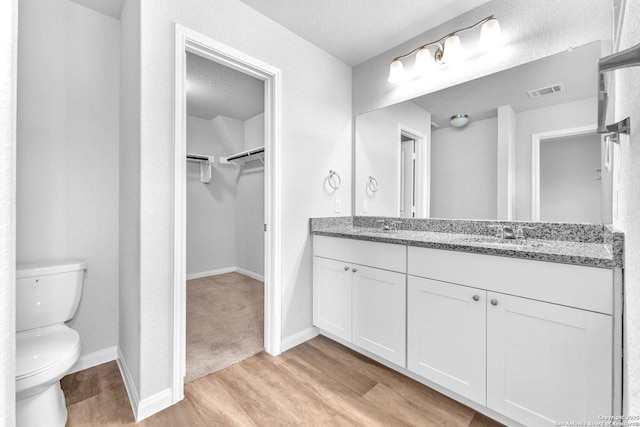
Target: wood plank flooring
[{"x": 318, "y": 383}]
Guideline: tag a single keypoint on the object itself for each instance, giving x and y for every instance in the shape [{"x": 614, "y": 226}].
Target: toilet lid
[{"x": 39, "y": 349}]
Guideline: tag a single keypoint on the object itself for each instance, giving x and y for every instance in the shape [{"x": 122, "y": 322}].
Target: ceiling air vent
[{"x": 546, "y": 90}]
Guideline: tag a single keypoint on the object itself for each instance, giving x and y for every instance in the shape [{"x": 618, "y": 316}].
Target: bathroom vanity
[{"x": 527, "y": 330}]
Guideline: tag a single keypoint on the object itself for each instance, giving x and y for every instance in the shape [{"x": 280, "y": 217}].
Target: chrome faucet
[
  {"x": 394, "y": 224},
  {"x": 508, "y": 232},
  {"x": 391, "y": 225},
  {"x": 383, "y": 224}
]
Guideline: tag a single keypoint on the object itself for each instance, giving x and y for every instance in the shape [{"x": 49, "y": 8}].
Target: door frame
[
  {"x": 187, "y": 40},
  {"x": 422, "y": 182},
  {"x": 536, "y": 139}
]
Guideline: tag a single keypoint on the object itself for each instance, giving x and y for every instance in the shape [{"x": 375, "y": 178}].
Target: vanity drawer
[
  {"x": 379, "y": 255},
  {"x": 588, "y": 288}
]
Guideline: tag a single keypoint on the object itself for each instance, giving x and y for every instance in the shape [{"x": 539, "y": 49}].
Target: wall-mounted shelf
[
  {"x": 244, "y": 157},
  {"x": 205, "y": 165}
]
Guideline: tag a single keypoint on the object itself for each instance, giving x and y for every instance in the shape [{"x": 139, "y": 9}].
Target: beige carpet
[{"x": 225, "y": 322}]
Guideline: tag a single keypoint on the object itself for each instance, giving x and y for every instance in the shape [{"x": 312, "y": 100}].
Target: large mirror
[{"x": 528, "y": 152}]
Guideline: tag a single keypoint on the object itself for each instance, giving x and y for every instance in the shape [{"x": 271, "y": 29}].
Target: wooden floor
[{"x": 318, "y": 383}]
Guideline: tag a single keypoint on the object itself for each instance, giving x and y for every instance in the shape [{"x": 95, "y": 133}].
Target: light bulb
[
  {"x": 453, "y": 51},
  {"x": 490, "y": 35},
  {"x": 424, "y": 61},
  {"x": 396, "y": 72}
]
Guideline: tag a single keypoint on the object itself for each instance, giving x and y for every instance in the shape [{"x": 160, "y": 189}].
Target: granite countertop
[{"x": 599, "y": 254}]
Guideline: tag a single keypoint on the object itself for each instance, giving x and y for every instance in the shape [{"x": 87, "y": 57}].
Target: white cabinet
[
  {"x": 355, "y": 300},
  {"x": 332, "y": 296},
  {"x": 447, "y": 336},
  {"x": 527, "y": 356},
  {"x": 547, "y": 363},
  {"x": 379, "y": 313}
]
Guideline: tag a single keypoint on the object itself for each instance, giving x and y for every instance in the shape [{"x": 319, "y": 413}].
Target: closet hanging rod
[
  {"x": 199, "y": 157},
  {"x": 247, "y": 153}
]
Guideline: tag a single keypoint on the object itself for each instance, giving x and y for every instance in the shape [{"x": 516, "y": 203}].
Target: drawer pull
[
  {"x": 346, "y": 269},
  {"x": 476, "y": 297},
  {"x": 354, "y": 269},
  {"x": 494, "y": 302}
]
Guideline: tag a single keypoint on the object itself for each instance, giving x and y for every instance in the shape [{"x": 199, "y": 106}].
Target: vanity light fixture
[
  {"x": 448, "y": 49},
  {"x": 459, "y": 120}
]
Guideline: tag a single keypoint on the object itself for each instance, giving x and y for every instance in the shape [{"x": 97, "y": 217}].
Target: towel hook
[
  {"x": 333, "y": 175},
  {"x": 372, "y": 185}
]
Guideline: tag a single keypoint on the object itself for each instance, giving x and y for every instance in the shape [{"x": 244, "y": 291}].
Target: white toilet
[{"x": 47, "y": 295}]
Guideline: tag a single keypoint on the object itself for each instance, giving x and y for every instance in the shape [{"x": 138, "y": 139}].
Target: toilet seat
[{"x": 43, "y": 356}]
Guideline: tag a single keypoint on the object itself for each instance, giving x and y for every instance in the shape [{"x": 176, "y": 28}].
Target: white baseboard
[
  {"x": 146, "y": 407},
  {"x": 154, "y": 404},
  {"x": 96, "y": 358},
  {"x": 210, "y": 273},
  {"x": 251, "y": 274},
  {"x": 225, "y": 270},
  {"x": 299, "y": 338},
  {"x": 129, "y": 384}
]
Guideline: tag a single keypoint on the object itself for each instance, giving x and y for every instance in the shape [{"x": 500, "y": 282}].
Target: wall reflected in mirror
[{"x": 529, "y": 151}]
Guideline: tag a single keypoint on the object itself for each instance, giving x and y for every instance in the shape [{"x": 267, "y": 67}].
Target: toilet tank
[{"x": 47, "y": 293}]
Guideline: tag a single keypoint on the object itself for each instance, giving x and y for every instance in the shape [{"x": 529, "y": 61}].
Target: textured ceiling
[
  {"x": 357, "y": 30},
  {"x": 480, "y": 98},
  {"x": 213, "y": 90},
  {"x": 108, "y": 7}
]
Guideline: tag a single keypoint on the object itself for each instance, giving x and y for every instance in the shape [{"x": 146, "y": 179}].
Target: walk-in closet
[{"x": 225, "y": 217}]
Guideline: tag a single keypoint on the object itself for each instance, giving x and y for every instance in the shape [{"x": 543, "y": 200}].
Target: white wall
[
  {"x": 129, "y": 203},
  {"x": 67, "y": 163},
  {"x": 225, "y": 217},
  {"x": 464, "y": 171},
  {"x": 8, "y": 73},
  {"x": 211, "y": 214},
  {"x": 315, "y": 137},
  {"x": 532, "y": 30},
  {"x": 627, "y": 183},
  {"x": 569, "y": 190},
  {"x": 563, "y": 116},
  {"x": 250, "y": 203},
  {"x": 377, "y": 147}
]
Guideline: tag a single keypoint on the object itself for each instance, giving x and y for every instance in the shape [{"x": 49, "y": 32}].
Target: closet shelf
[
  {"x": 244, "y": 157},
  {"x": 205, "y": 165}
]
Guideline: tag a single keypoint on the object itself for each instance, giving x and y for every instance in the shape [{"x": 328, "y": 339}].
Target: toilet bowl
[{"x": 47, "y": 295}]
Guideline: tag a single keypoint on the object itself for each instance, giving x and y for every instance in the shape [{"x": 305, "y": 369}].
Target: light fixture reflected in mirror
[
  {"x": 448, "y": 49},
  {"x": 459, "y": 120}
]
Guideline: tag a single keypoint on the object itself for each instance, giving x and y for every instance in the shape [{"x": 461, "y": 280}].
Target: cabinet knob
[
  {"x": 476, "y": 297},
  {"x": 494, "y": 302},
  {"x": 354, "y": 269},
  {"x": 346, "y": 268}
]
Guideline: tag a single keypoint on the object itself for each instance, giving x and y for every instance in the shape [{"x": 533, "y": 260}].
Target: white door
[
  {"x": 447, "y": 335},
  {"x": 547, "y": 363},
  {"x": 379, "y": 312},
  {"x": 407, "y": 177},
  {"x": 332, "y": 296}
]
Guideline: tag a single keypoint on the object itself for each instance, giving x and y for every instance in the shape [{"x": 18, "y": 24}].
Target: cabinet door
[
  {"x": 447, "y": 336},
  {"x": 379, "y": 312},
  {"x": 547, "y": 363},
  {"x": 332, "y": 296}
]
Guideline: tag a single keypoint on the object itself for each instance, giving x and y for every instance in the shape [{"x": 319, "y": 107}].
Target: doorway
[
  {"x": 569, "y": 181},
  {"x": 407, "y": 207},
  {"x": 188, "y": 41}
]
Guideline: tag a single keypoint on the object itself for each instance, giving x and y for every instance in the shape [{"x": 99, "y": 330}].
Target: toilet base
[{"x": 45, "y": 409}]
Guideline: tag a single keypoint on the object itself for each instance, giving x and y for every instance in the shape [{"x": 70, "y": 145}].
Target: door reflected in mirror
[{"x": 515, "y": 159}]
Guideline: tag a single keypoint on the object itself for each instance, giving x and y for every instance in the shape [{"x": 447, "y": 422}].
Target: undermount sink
[{"x": 504, "y": 242}]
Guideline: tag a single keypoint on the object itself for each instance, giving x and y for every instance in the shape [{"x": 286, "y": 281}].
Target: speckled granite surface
[{"x": 580, "y": 244}]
